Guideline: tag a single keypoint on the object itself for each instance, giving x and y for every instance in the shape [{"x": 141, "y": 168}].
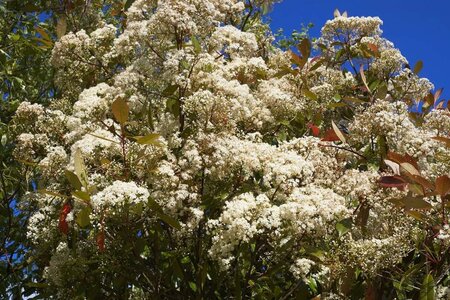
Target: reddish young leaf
[
  {"x": 63, "y": 225},
  {"x": 423, "y": 182},
  {"x": 443, "y": 185},
  {"x": 438, "y": 94},
  {"x": 393, "y": 181},
  {"x": 314, "y": 129},
  {"x": 398, "y": 158},
  {"x": 330, "y": 136}
]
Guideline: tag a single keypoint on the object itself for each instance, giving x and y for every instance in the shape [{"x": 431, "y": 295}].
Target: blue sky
[{"x": 420, "y": 29}]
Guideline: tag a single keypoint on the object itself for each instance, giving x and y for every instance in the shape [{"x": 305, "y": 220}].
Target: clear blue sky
[{"x": 420, "y": 29}]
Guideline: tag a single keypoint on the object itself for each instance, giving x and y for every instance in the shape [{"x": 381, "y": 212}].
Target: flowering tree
[{"x": 186, "y": 156}]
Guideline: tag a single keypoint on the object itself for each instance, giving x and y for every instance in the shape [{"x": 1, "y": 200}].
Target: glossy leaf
[
  {"x": 393, "y": 181},
  {"x": 443, "y": 185}
]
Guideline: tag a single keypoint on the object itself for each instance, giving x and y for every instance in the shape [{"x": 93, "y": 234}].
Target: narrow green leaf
[
  {"x": 80, "y": 169},
  {"x": 51, "y": 193},
  {"x": 310, "y": 94},
  {"x": 427, "y": 290},
  {"x": 149, "y": 139},
  {"x": 196, "y": 45}
]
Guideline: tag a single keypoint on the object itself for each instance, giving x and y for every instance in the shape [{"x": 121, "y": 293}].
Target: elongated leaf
[
  {"x": 443, "y": 185},
  {"x": 73, "y": 179},
  {"x": 393, "y": 181},
  {"x": 80, "y": 169},
  {"x": 416, "y": 203},
  {"x": 82, "y": 196},
  {"x": 196, "y": 45},
  {"x": 51, "y": 193},
  {"x": 83, "y": 217},
  {"x": 305, "y": 48},
  {"x": 61, "y": 27},
  {"x": 438, "y": 94},
  {"x": 310, "y": 94},
  {"x": 149, "y": 139},
  {"x": 410, "y": 168},
  {"x": 363, "y": 78},
  {"x": 43, "y": 33},
  {"x": 418, "y": 67},
  {"x": 393, "y": 165},
  {"x": 427, "y": 290},
  {"x": 161, "y": 215},
  {"x": 338, "y": 132},
  {"x": 423, "y": 182},
  {"x": 120, "y": 111}
]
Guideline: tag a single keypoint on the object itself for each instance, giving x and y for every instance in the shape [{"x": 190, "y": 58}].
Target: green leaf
[
  {"x": 80, "y": 169},
  {"x": 120, "y": 111},
  {"x": 193, "y": 286},
  {"x": 427, "y": 290},
  {"x": 51, "y": 193},
  {"x": 155, "y": 207},
  {"x": 73, "y": 179},
  {"x": 344, "y": 226},
  {"x": 170, "y": 90},
  {"x": 83, "y": 218},
  {"x": 128, "y": 4},
  {"x": 169, "y": 220},
  {"x": 196, "y": 45},
  {"x": 82, "y": 196},
  {"x": 418, "y": 67},
  {"x": 310, "y": 94},
  {"x": 149, "y": 139},
  {"x": 416, "y": 203}
]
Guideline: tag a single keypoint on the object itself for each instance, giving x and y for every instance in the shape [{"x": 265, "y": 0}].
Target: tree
[{"x": 186, "y": 156}]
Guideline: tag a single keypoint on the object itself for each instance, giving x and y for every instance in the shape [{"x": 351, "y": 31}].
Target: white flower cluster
[
  {"x": 233, "y": 159},
  {"x": 118, "y": 194}
]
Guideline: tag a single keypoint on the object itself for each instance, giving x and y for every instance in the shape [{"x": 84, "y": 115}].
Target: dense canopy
[{"x": 175, "y": 149}]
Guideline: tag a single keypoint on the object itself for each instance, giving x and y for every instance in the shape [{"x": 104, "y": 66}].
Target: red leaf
[
  {"x": 393, "y": 181},
  {"x": 406, "y": 158},
  {"x": 330, "y": 136},
  {"x": 101, "y": 241},
  {"x": 314, "y": 129},
  {"x": 63, "y": 225},
  {"x": 443, "y": 185}
]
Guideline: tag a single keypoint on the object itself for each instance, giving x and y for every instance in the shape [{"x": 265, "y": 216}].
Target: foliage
[{"x": 185, "y": 154}]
